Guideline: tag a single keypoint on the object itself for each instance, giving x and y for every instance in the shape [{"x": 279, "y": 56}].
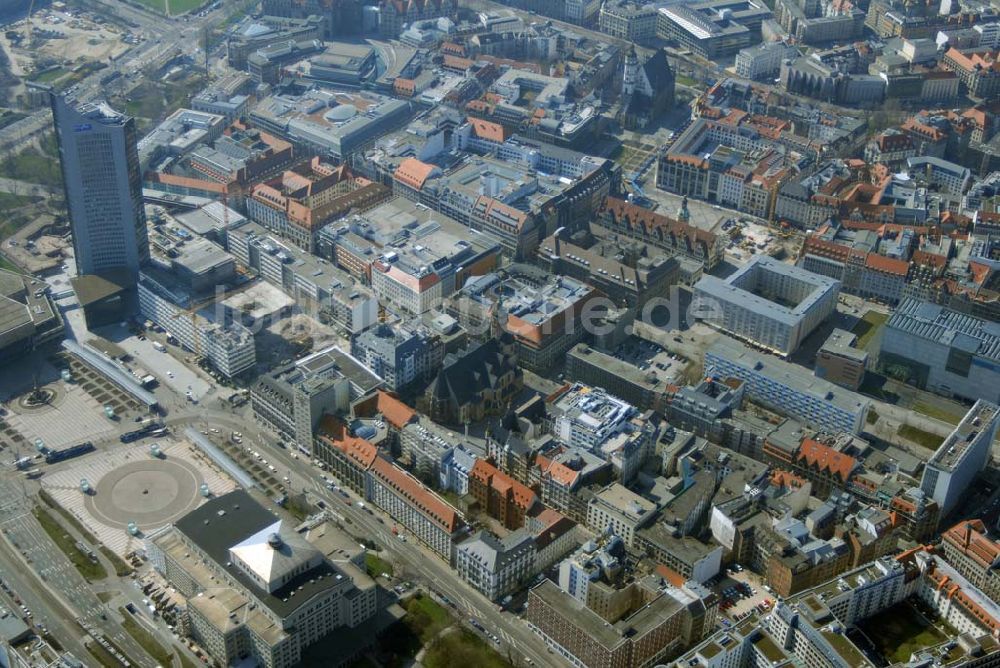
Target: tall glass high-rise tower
[{"x": 103, "y": 182}]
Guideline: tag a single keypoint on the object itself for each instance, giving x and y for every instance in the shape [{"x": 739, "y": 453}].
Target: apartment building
[
  {"x": 839, "y": 361},
  {"x": 427, "y": 516},
  {"x": 542, "y": 312},
  {"x": 320, "y": 289},
  {"x": 633, "y": 285},
  {"x": 500, "y": 496},
  {"x": 229, "y": 348},
  {"x": 768, "y": 303},
  {"x": 628, "y": 20},
  {"x": 414, "y": 257},
  {"x": 676, "y": 237},
  {"x": 664, "y": 621},
  {"x": 788, "y": 389},
  {"x": 400, "y": 353},
  {"x": 311, "y": 194},
  {"x": 590, "y": 418},
  {"x": 496, "y": 566},
  {"x": 293, "y": 398},
  {"x": 975, "y": 555},
  {"x": 978, "y": 71},
  {"x": 621, "y": 511},
  {"x": 640, "y": 388},
  {"x": 763, "y": 61}
]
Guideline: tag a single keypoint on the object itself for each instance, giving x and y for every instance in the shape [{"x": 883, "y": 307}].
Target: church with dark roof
[
  {"x": 480, "y": 382},
  {"x": 647, "y": 89}
]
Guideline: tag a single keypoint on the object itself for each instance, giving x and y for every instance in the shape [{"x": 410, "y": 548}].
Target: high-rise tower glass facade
[{"x": 103, "y": 182}]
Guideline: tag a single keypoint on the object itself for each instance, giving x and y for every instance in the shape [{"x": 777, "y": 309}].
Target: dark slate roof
[
  {"x": 242, "y": 517},
  {"x": 462, "y": 379}
]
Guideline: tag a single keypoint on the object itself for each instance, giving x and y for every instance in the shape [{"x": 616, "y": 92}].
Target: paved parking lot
[
  {"x": 742, "y": 602},
  {"x": 168, "y": 367}
]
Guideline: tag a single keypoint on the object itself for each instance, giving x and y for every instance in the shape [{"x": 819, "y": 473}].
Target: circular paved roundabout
[{"x": 151, "y": 493}]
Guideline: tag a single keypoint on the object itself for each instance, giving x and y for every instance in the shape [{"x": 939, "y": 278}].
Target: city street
[
  {"x": 421, "y": 563},
  {"x": 23, "y": 533}
]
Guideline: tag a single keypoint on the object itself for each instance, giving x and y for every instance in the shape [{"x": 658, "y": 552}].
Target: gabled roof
[
  {"x": 414, "y": 173},
  {"x": 417, "y": 495},
  {"x": 389, "y": 406},
  {"x": 969, "y": 537},
  {"x": 825, "y": 458}
]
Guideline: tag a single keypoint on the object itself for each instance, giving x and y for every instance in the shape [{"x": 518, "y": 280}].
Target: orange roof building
[
  {"x": 501, "y": 496},
  {"x": 431, "y": 519},
  {"x": 414, "y": 173}
]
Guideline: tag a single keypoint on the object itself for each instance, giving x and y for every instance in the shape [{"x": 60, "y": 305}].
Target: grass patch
[
  {"x": 685, "y": 80},
  {"x": 900, "y": 631},
  {"x": 920, "y": 437},
  {"x": 186, "y": 662},
  {"x": 937, "y": 412},
  {"x": 88, "y": 569},
  {"x": 146, "y": 639},
  {"x": 181, "y": 6},
  {"x": 155, "y": 5},
  {"x": 426, "y": 617},
  {"x": 8, "y": 265},
  {"x": 31, "y": 166},
  {"x": 868, "y": 327},
  {"x": 423, "y": 621},
  {"x": 105, "y": 596},
  {"x": 296, "y": 508},
  {"x": 66, "y": 515},
  {"x": 462, "y": 648},
  {"x": 103, "y": 656},
  {"x": 376, "y": 565},
  {"x": 121, "y": 568},
  {"x": 50, "y": 75},
  {"x": 872, "y": 416}
]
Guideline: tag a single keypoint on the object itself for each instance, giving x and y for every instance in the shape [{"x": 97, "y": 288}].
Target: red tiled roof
[
  {"x": 670, "y": 575},
  {"x": 457, "y": 62},
  {"x": 334, "y": 432},
  {"x": 507, "y": 487},
  {"x": 413, "y": 173},
  {"x": 814, "y": 453},
  {"x": 488, "y": 131},
  {"x": 419, "y": 496},
  {"x": 969, "y": 537},
  {"x": 887, "y": 265},
  {"x": 932, "y": 259}
]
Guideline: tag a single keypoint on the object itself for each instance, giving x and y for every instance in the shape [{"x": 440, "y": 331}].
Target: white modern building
[
  {"x": 763, "y": 61},
  {"x": 602, "y": 557},
  {"x": 788, "y": 389},
  {"x": 591, "y": 419},
  {"x": 960, "y": 458},
  {"x": 767, "y": 302},
  {"x": 229, "y": 348}
]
